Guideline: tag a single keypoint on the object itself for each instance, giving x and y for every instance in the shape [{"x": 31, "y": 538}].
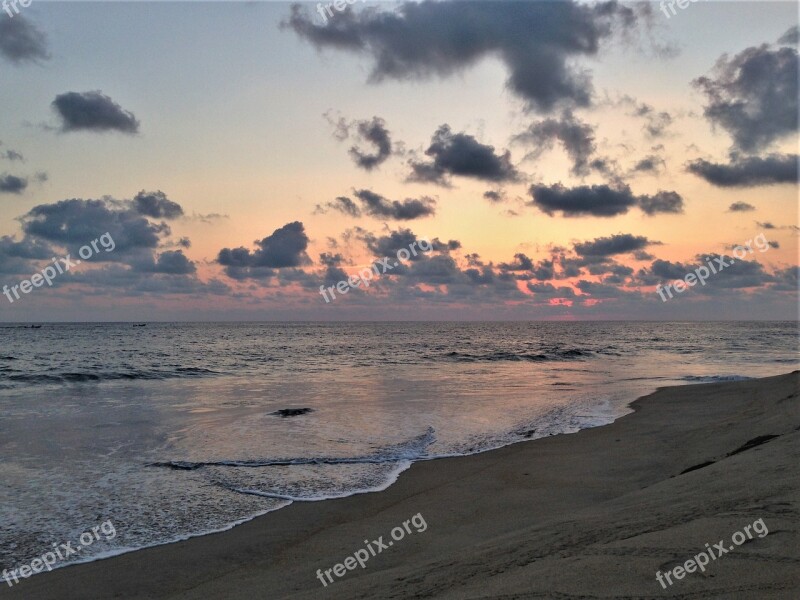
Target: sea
[{"x": 173, "y": 430}]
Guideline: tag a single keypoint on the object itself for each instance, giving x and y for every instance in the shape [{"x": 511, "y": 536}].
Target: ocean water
[{"x": 174, "y": 430}]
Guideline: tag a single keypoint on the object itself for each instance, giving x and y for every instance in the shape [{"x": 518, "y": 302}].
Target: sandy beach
[{"x": 590, "y": 515}]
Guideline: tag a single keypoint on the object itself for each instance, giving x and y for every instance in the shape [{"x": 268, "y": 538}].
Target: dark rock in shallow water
[{"x": 292, "y": 412}]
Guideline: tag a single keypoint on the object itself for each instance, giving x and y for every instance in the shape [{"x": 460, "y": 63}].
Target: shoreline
[{"x": 479, "y": 507}]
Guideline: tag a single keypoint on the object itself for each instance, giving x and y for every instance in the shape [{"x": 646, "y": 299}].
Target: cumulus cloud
[
  {"x": 753, "y": 95},
  {"x": 741, "y": 207},
  {"x": 157, "y": 205},
  {"x": 790, "y": 38},
  {"x": 284, "y": 247},
  {"x": 375, "y": 133},
  {"x": 462, "y": 155},
  {"x": 75, "y": 222},
  {"x": 651, "y": 164},
  {"x": 748, "y": 171},
  {"x": 538, "y": 42},
  {"x": 600, "y": 200},
  {"x": 406, "y": 210},
  {"x": 623, "y": 243},
  {"x": 662, "y": 202},
  {"x": 93, "y": 111},
  {"x": 576, "y": 137},
  {"x": 21, "y": 41},
  {"x": 342, "y": 204},
  {"x": 11, "y": 184}
]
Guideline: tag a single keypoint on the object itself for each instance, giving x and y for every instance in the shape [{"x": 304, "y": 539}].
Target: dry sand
[{"x": 589, "y": 515}]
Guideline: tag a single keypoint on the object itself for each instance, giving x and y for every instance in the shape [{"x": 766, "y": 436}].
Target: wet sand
[{"x": 590, "y": 515}]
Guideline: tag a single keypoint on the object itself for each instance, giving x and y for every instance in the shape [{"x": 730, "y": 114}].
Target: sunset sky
[{"x": 567, "y": 157}]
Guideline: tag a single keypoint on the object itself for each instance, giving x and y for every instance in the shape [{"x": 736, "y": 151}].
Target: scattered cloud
[
  {"x": 460, "y": 154},
  {"x": 748, "y": 171},
  {"x": 93, "y": 111},
  {"x": 21, "y": 41},
  {"x": 753, "y": 96},
  {"x": 539, "y": 42},
  {"x": 11, "y": 184}
]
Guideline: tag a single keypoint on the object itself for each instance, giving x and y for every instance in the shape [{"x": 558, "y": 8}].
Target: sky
[{"x": 559, "y": 160}]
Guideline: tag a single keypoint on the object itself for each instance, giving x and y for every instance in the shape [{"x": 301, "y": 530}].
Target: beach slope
[{"x": 595, "y": 514}]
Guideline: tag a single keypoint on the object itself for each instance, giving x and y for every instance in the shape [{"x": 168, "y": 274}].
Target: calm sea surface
[{"x": 170, "y": 430}]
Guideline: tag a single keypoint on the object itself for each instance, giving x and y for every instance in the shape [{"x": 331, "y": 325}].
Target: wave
[
  {"x": 411, "y": 450},
  {"x": 547, "y": 355},
  {"x": 85, "y": 377},
  {"x": 714, "y": 378}
]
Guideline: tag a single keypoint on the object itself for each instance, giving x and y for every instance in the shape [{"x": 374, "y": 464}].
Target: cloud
[
  {"x": 662, "y": 202},
  {"x": 748, "y": 171},
  {"x": 538, "y": 42},
  {"x": 600, "y": 200},
  {"x": 11, "y": 184},
  {"x": 576, "y": 137},
  {"x": 284, "y": 247},
  {"x": 374, "y": 132},
  {"x": 623, "y": 243},
  {"x": 494, "y": 196},
  {"x": 93, "y": 111},
  {"x": 157, "y": 205},
  {"x": 407, "y": 210},
  {"x": 21, "y": 41},
  {"x": 753, "y": 96},
  {"x": 11, "y": 155},
  {"x": 462, "y": 155},
  {"x": 342, "y": 204},
  {"x": 76, "y": 222},
  {"x": 18, "y": 257},
  {"x": 650, "y": 164},
  {"x": 790, "y": 38},
  {"x": 741, "y": 207},
  {"x": 172, "y": 262}
]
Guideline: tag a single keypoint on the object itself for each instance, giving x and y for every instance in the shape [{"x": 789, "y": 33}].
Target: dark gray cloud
[
  {"x": 600, "y": 200},
  {"x": 576, "y": 137},
  {"x": 749, "y": 171},
  {"x": 538, "y": 42},
  {"x": 285, "y": 247},
  {"x": 525, "y": 269},
  {"x": 790, "y": 38},
  {"x": 11, "y": 184},
  {"x": 172, "y": 262},
  {"x": 662, "y": 202},
  {"x": 462, "y": 155},
  {"x": 76, "y": 222},
  {"x": 11, "y": 155},
  {"x": 623, "y": 243},
  {"x": 342, "y": 204},
  {"x": 650, "y": 164},
  {"x": 18, "y": 257},
  {"x": 406, "y": 210},
  {"x": 595, "y": 200},
  {"x": 157, "y": 205},
  {"x": 373, "y": 132},
  {"x": 494, "y": 196},
  {"x": 753, "y": 95},
  {"x": 93, "y": 111},
  {"x": 21, "y": 41},
  {"x": 741, "y": 207}
]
